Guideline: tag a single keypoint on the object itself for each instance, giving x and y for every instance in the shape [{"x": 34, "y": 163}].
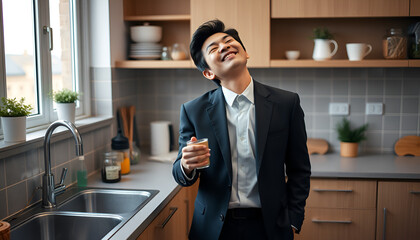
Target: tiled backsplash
[
  {"x": 160, "y": 93},
  {"x": 21, "y": 174}
]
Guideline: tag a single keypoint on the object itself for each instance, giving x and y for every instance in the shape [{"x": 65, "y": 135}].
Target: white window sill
[{"x": 35, "y": 137}]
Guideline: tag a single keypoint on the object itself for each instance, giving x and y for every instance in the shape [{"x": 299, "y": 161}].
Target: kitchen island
[{"x": 158, "y": 176}]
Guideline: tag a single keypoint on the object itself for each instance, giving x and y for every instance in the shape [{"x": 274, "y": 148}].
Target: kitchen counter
[{"x": 158, "y": 175}]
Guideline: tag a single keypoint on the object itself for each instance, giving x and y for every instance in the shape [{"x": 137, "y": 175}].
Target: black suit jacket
[{"x": 281, "y": 148}]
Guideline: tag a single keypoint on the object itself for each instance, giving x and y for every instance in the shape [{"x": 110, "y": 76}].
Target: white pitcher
[{"x": 322, "y": 50}]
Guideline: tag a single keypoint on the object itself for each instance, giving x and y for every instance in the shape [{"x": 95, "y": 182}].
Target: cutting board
[
  {"x": 317, "y": 145},
  {"x": 408, "y": 145}
]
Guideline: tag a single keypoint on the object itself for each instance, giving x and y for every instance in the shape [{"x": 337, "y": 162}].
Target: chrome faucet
[{"x": 49, "y": 189}]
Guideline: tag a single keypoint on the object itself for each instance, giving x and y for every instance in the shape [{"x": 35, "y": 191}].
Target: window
[{"x": 41, "y": 49}]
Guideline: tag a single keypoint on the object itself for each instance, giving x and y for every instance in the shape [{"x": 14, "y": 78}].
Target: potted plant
[
  {"x": 13, "y": 115},
  {"x": 66, "y": 104},
  {"x": 350, "y": 138},
  {"x": 323, "y": 38}
]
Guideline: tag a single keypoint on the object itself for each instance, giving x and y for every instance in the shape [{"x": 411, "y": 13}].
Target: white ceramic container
[
  {"x": 14, "y": 129},
  {"x": 66, "y": 111},
  {"x": 146, "y": 33}
]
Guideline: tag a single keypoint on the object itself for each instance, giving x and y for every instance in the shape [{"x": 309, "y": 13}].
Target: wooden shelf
[
  {"x": 176, "y": 17},
  {"x": 282, "y": 63},
  {"x": 154, "y": 64}
]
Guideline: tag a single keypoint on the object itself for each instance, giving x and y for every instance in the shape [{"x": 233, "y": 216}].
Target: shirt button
[{"x": 222, "y": 218}]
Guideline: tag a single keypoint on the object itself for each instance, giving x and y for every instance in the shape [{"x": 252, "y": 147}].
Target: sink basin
[
  {"x": 107, "y": 201},
  {"x": 56, "y": 225}
]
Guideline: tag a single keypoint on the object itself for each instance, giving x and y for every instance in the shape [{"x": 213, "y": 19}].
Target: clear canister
[
  {"x": 395, "y": 44},
  {"x": 111, "y": 169}
]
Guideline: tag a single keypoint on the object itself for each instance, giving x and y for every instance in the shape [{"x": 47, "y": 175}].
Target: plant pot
[
  {"x": 66, "y": 111},
  {"x": 14, "y": 129},
  {"x": 349, "y": 149}
]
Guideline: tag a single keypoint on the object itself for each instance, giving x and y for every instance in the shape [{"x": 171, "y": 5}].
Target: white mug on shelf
[{"x": 357, "y": 51}]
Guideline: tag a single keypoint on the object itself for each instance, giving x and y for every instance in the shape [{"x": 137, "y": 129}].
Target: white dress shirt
[{"x": 240, "y": 115}]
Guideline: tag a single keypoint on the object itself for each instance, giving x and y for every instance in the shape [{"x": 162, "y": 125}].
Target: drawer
[
  {"x": 333, "y": 224},
  {"x": 350, "y": 194}
]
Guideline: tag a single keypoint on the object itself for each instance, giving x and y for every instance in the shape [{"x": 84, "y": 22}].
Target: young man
[{"x": 256, "y": 134}]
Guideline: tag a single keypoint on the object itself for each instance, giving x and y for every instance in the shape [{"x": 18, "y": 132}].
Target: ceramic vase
[
  {"x": 14, "y": 129},
  {"x": 66, "y": 111},
  {"x": 349, "y": 149}
]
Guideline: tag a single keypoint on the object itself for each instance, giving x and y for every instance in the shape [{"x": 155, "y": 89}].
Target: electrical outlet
[
  {"x": 374, "y": 108},
  {"x": 339, "y": 109}
]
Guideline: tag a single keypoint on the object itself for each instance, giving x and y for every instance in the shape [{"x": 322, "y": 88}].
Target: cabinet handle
[
  {"x": 415, "y": 192},
  {"x": 333, "y": 190},
  {"x": 173, "y": 210},
  {"x": 332, "y": 221},
  {"x": 384, "y": 230}
]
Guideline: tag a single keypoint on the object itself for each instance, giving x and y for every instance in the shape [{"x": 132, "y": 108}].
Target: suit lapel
[
  {"x": 217, "y": 114},
  {"x": 263, "y": 110}
]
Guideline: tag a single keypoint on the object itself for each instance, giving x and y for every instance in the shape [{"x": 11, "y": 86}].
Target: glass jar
[
  {"x": 395, "y": 44},
  {"x": 178, "y": 52},
  {"x": 111, "y": 169},
  {"x": 165, "y": 54},
  {"x": 120, "y": 144},
  {"x": 135, "y": 154}
]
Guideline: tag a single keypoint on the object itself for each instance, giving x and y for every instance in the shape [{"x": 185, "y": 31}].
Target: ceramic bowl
[
  {"x": 292, "y": 55},
  {"x": 146, "y": 33}
]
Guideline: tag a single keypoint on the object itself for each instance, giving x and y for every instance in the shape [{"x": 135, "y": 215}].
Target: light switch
[
  {"x": 374, "y": 108},
  {"x": 339, "y": 109}
]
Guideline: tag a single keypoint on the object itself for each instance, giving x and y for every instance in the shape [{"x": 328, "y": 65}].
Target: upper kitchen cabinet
[
  {"x": 340, "y": 8},
  {"x": 414, "y": 7},
  {"x": 250, "y": 17},
  {"x": 174, "y": 18}
]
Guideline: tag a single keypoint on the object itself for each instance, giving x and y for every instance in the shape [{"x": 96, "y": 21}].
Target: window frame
[{"x": 80, "y": 61}]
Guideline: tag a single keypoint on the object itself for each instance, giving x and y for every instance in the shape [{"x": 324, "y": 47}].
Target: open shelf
[
  {"x": 281, "y": 63},
  {"x": 176, "y": 17},
  {"x": 153, "y": 64}
]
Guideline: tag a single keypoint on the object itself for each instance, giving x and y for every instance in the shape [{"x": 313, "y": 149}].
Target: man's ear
[{"x": 207, "y": 73}]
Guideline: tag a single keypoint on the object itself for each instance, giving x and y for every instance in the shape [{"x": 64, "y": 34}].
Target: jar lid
[{"x": 120, "y": 142}]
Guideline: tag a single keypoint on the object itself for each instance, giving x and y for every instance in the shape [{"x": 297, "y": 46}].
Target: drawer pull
[
  {"x": 173, "y": 210},
  {"x": 332, "y": 221},
  {"x": 333, "y": 190},
  {"x": 415, "y": 192}
]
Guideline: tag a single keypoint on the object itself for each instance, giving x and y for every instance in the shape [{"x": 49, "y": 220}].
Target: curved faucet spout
[{"x": 49, "y": 190}]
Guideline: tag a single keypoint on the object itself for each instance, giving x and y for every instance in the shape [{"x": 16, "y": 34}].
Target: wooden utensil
[
  {"x": 317, "y": 145},
  {"x": 408, "y": 145},
  {"x": 4, "y": 230}
]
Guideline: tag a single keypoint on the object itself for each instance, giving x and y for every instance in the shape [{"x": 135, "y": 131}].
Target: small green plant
[
  {"x": 346, "y": 134},
  {"x": 65, "y": 96},
  {"x": 322, "y": 33},
  {"x": 11, "y": 107}
]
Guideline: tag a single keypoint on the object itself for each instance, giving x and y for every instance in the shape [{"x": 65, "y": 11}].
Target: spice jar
[
  {"x": 111, "y": 169},
  {"x": 120, "y": 144},
  {"x": 395, "y": 44},
  {"x": 165, "y": 54},
  {"x": 178, "y": 52}
]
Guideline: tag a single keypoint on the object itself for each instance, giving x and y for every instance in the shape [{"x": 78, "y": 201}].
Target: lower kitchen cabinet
[
  {"x": 398, "y": 210},
  {"x": 340, "y": 209},
  {"x": 174, "y": 221}
]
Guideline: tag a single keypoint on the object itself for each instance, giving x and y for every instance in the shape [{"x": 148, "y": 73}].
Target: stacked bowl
[{"x": 145, "y": 38}]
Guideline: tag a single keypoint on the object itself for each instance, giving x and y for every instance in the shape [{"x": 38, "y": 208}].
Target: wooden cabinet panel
[
  {"x": 414, "y": 7},
  {"x": 349, "y": 194},
  {"x": 343, "y": 224},
  {"x": 401, "y": 203},
  {"x": 250, "y": 17},
  {"x": 338, "y": 8}
]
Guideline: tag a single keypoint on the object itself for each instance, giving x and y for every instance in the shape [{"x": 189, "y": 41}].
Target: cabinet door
[
  {"x": 398, "y": 212},
  {"x": 414, "y": 7},
  {"x": 339, "y": 8},
  {"x": 171, "y": 223},
  {"x": 250, "y": 17}
]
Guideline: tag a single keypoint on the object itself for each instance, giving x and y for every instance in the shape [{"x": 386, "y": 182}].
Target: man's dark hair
[{"x": 200, "y": 36}]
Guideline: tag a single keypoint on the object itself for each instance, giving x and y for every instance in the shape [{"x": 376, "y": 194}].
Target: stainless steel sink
[
  {"x": 56, "y": 225},
  {"x": 107, "y": 201},
  {"x": 81, "y": 213}
]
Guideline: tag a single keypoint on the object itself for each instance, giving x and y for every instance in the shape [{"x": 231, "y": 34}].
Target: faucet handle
[{"x": 63, "y": 176}]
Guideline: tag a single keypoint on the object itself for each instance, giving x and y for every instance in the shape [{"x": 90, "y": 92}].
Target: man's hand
[{"x": 194, "y": 156}]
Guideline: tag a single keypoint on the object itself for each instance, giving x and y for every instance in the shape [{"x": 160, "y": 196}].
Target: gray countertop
[{"x": 158, "y": 176}]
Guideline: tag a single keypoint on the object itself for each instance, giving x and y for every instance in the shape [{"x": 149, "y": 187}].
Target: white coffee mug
[{"x": 357, "y": 51}]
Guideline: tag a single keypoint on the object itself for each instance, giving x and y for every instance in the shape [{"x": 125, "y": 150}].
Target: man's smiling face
[{"x": 223, "y": 54}]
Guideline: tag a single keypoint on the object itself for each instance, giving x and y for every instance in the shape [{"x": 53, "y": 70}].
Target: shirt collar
[{"x": 248, "y": 93}]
